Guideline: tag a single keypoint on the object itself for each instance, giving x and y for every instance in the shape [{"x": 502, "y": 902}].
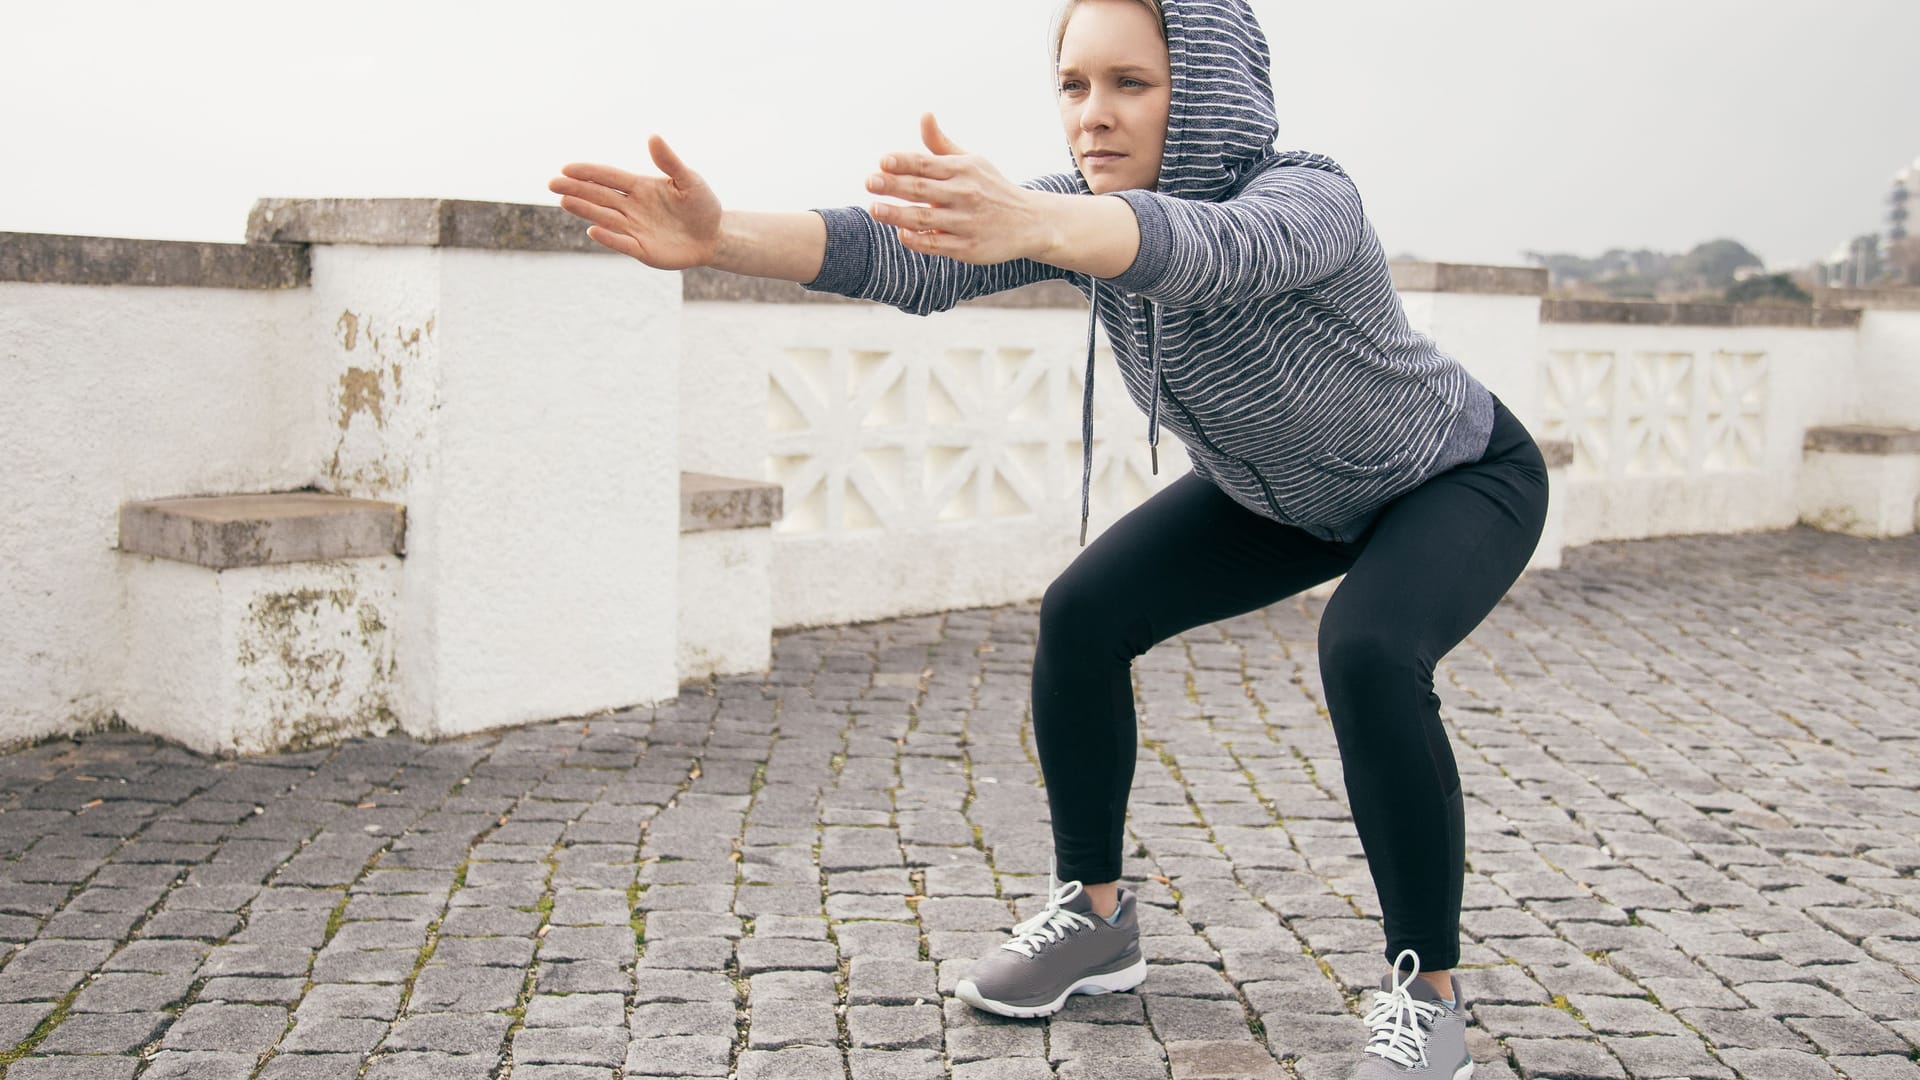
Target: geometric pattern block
[
  {"x": 834, "y": 418},
  {"x": 1659, "y": 415},
  {"x": 1579, "y": 406},
  {"x": 875, "y": 439},
  {"x": 1735, "y": 405}
]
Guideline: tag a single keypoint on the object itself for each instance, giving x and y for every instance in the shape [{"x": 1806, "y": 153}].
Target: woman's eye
[{"x": 1135, "y": 82}]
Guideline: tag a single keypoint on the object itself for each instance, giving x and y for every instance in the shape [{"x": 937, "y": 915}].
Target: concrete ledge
[
  {"x": 1658, "y": 313},
  {"x": 457, "y": 223},
  {"x": 228, "y": 531},
  {"x": 1463, "y": 278},
  {"x": 706, "y": 283},
  {"x": 1905, "y": 299},
  {"x": 1863, "y": 439},
  {"x": 53, "y": 259},
  {"x": 708, "y": 503},
  {"x": 1557, "y": 452}
]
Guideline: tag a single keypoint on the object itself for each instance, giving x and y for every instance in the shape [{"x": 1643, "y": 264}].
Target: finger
[
  {"x": 918, "y": 218},
  {"x": 936, "y": 139},
  {"x": 604, "y": 175},
  {"x": 581, "y": 189},
  {"x": 592, "y": 213},
  {"x": 615, "y": 241},
  {"x": 930, "y": 166},
  {"x": 912, "y": 188},
  {"x": 931, "y": 243},
  {"x": 668, "y": 161}
]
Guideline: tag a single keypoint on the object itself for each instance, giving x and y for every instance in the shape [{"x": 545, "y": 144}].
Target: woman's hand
[
  {"x": 670, "y": 223},
  {"x": 970, "y": 212}
]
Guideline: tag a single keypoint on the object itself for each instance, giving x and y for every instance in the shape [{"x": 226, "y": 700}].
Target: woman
[{"x": 1251, "y": 312}]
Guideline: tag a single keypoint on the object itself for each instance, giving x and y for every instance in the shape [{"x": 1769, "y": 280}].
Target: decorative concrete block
[
  {"x": 263, "y": 658},
  {"x": 1862, "y": 481}
]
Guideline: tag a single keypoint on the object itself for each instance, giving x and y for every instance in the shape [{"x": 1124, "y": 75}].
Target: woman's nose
[{"x": 1095, "y": 116}]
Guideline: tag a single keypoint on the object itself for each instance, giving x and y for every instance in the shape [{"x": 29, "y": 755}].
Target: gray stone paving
[{"x": 1693, "y": 831}]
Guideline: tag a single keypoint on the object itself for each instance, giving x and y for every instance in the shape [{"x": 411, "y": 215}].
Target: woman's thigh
[
  {"x": 1439, "y": 558},
  {"x": 1186, "y": 557}
]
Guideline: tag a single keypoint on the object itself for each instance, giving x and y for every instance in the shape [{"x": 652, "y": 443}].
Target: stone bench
[
  {"x": 726, "y": 575},
  {"x": 288, "y": 642},
  {"x": 1861, "y": 480},
  {"x": 261, "y": 623}
]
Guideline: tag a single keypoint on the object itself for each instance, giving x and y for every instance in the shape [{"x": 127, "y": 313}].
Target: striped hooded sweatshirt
[{"x": 1258, "y": 322}]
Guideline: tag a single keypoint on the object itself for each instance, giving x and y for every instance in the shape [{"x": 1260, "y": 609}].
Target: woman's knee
[
  {"x": 1089, "y": 614},
  {"x": 1361, "y": 657}
]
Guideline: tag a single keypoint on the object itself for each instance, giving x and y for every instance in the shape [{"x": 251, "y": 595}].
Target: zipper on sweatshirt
[{"x": 1273, "y": 504}]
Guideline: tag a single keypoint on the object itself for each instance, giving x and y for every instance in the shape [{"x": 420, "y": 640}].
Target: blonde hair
[{"x": 1066, "y": 12}]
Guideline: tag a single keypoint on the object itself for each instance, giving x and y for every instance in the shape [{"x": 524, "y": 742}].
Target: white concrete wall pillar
[{"x": 516, "y": 388}]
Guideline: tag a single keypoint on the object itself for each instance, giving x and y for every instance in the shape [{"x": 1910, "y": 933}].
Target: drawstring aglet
[
  {"x": 1155, "y": 451},
  {"x": 1083, "y": 532}
]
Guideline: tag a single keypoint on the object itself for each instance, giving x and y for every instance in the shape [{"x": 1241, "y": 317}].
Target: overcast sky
[{"x": 1476, "y": 129}]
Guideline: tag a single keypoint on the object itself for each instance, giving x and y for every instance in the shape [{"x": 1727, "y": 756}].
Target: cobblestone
[{"x": 1688, "y": 768}]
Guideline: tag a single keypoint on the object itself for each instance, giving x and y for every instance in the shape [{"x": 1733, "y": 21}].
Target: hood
[
  {"x": 1221, "y": 70},
  {"x": 1221, "y": 122}
]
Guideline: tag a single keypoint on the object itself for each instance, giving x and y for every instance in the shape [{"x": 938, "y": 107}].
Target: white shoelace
[
  {"x": 1053, "y": 923},
  {"x": 1398, "y": 1022}
]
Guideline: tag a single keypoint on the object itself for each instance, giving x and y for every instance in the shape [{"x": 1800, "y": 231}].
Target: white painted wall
[
  {"x": 523, "y": 406},
  {"x": 1886, "y": 382},
  {"x": 1686, "y": 429},
  {"x": 533, "y": 411},
  {"x": 118, "y": 393}
]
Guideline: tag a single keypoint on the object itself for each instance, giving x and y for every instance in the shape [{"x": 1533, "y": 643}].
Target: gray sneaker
[
  {"x": 1411, "y": 1034},
  {"x": 1064, "y": 950}
]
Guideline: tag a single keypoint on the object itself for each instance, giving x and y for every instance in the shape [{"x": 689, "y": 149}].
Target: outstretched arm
[{"x": 675, "y": 221}]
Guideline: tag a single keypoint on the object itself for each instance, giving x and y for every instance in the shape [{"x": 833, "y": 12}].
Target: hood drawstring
[
  {"x": 1086, "y": 416},
  {"x": 1086, "y": 404},
  {"x": 1153, "y": 414}
]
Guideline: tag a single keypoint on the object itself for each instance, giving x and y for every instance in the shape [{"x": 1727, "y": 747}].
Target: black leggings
[{"x": 1431, "y": 566}]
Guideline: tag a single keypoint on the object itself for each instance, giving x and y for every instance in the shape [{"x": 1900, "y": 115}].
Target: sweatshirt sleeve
[
  {"x": 865, "y": 260},
  {"x": 1288, "y": 228}
]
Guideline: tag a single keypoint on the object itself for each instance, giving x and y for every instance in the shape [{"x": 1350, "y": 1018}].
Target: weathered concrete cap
[
  {"x": 1897, "y": 298},
  {"x": 1863, "y": 439},
  {"x": 460, "y": 223},
  {"x": 721, "y": 502},
  {"x": 1462, "y": 278},
  {"x": 1663, "y": 313},
  {"x": 52, "y": 259},
  {"x": 1557, "y": 452},
  {"x": 227, "y": 531}
]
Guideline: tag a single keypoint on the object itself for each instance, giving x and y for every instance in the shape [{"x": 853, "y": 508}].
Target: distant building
[
  {"x": 1905, "y": 193},
  {"x": 1871, "y": 259}
]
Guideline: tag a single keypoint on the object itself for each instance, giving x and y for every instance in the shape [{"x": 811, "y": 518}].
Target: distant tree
[
  {"x": 1767, "y": 289},
  {"x": 1713, "y": 264}
]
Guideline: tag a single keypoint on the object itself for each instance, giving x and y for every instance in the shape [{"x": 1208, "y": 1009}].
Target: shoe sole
[{"x": 1113, "y": 982}]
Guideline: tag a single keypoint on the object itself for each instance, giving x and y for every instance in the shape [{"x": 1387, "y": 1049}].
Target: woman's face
[{"x": 1115, "y": 87}]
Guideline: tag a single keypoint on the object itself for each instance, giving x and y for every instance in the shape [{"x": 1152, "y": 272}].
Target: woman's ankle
[{"x": 1104, "y": 896}]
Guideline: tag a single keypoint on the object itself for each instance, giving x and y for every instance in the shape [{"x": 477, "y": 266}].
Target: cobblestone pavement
[{"x": 1693, "y": 829}]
